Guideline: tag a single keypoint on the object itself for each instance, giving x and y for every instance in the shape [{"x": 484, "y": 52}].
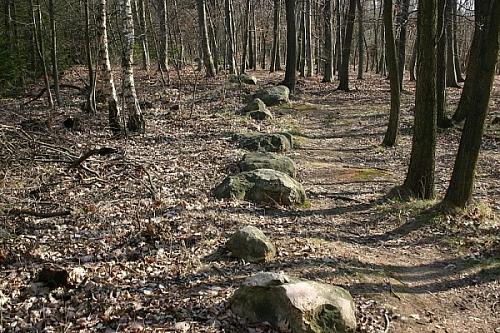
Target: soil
[{"x": 136, "y": 240}]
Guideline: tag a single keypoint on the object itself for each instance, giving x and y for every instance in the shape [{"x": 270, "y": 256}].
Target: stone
[
  {"x": 243, "y": 78},
  {"x": 276, "y": 142},
  {"x": 257, "y": 110},
  {"x": 275, "y": 95},
  {"x": 250, "y": 244},
  {"x": 262, "y": 186},
  {"x": 259, "y": 160},
  {"x": 303, "y": 306}
]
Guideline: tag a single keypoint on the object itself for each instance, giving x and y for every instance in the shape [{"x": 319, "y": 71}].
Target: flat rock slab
[
  {"x": 303, "y": 306},
  {"x": 275, "y": 142},
  {"x": 262, "y": 186},
  {"x": 259, "y": 160},
  {"x": 272, "y": 96},
  {"x": 250, "y": 244}
]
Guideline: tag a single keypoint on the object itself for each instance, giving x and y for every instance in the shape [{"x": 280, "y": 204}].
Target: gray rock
[
  {"x": 243, "y": 78},
  {"x": 258, "y": 160},
  {"x": 250, "y": 244},
  {"x": 272, "y": 96},
  {"x": 262, "y": 186},
  {"x": 277, "y": 142},
  {"x": 257, "y": 110},
  {"x": 302, "y": 306}
]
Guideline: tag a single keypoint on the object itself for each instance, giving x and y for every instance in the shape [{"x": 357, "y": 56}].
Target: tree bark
[
  {"x": 91, "y": 105},
  {"x": 275, "y": 50},
  {"x": 403, "y": 21},
  {"x": 135, "y": 118},
  {"x": 328, "y": 76},
  {"x": 53, "y": 52},
  {"x": 391, "y": 134},
  {"x": 140, "y": 11},
  {"x": 205, "y": 46},
  {"x": 291, "y": 46},
  {"x": 361, "y": 49},
  {"x": 413, "y": 60},
  {"x": 338, "y": 37},
  {"x": 230, "y": 36},
  {"x": 346, "y": 49},
  {"x": 442, "y": 120},
  {"x": 163, "y": 15},
  {"x": 487, "y": 14},
  {"x": 309, "y": 41},
  {"x": 420, "y": 177},
  {"x": 114, "y": 114},
  {"x": 451, "y": 76}
]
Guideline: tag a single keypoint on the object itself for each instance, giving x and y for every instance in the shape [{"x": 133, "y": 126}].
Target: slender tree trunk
[
  {"x": 458, "y": 70},
  {"x": 346, "y": 50},
  {"x": 361, "y": 49},
  {"x": 275, "y": 50},
  {"x": 328, "y": 77},
  {"x": 114, "y": 114},
  {"x": 420, "y": 177},
  {"x": 37, "y": 31},
  {"x": 230, "y": 36},
  {"x": 243, "y": 65},
  {"x": 253, "y": 40},
  {"x": 487, "y": 13},
  {"x": 91, "y": 105},
  {"x": 391, "y": 134},
  {"x": 451, "y": 76},
  {"x": 205, "y": 46},
  {"x": 163, "y": 15},
  {"x": 338, "y": 37},
  {"x": 135, "y": 118},
  {"x": 53, "y": 52},
  {"x": 140, "y": 10},
  {"x": 212, "y": 34},
  {"x": 309, "y": 41},
  {"x": 442, "y": 120},
  {"x": 303, "y": 41},
  {"x": 291, "y": 46},
  {"x": 413, "y": 60},
  {"x": 403, "y": 21}
]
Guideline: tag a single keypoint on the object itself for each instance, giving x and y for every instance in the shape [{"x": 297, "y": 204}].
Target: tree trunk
[
  {"x": 163, "y": 61},
  {"x": 243, "y": 65},
  {"x": 275, "y": 50},
  {"x": 458, "y": 70},
  {"x": 230, "y": 36},
  {"x": 413, "y": 60},
  {"x": 403, "y": 21},
  {"x": 205, "y": 46},
  {"x": 451, "y": 76},
  {"x": 90, "y": 105},
  {"x": 420, "y": 177},
  {"x": 53, "y": 52},
  {"x": 487, "y": 14},
  {"x": 338, "y": 37},
  {"x": 346, "y": 49},
  {"x": 291, "y": 46},
  {"x": 328, "y": 77},
  {"x": 140, "y": 11},
  {"x": 135, "y": 118},
  {"x": 391, "y": 135},
  {"x": 303, "y": 41},
  {"x": 442, "y": 120},
  {"x": 114, "y": 114},
  {"x": 309, "y": 41},
  {"x": 361, "y": 49}
]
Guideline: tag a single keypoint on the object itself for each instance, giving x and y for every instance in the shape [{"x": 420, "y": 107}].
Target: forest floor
[{"x": 142, "y": 227}]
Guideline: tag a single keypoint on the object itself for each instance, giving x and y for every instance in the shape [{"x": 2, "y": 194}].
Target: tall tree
[
  {"x": 230, "y": 35},
  {"x": 246, "y": 20},
  {"x": 205, "y": 45},
  {"x": 53, "y": 51},
  {"x": 275, "y": 50},
  {"x": 402, "y": 22},
  {"x": 391, "y": 134},
  {"x": 163, "y": 16},
  {"x": 291, "y": 46},
  {"x": 480, "y": 76},
  {"x": 420, "y": 177},
  {"x": 442, "y": 120},
  {"x": 338, "y": 36},
  {"x": 361, "y": 46},
  {"x": 451, "y": 75},
  {"x": 135, "y": 117},
  {"x": 328, "y": 77},
  {"x": 114, "y": 114},
  {"x": 309, "y": 39},
  {"x": 346, "y": 47},
  {"x": 140, "y": 10}
]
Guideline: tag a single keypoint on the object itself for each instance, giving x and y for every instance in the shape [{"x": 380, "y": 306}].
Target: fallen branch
[
  {"x": 40, "y": 94},
  {"x": 101, "y": 152},
  {"x": 30, "y": 212}
]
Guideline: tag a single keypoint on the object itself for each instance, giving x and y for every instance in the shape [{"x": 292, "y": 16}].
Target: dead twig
[
  {"x": 101, "y": 152},
  {"x": 30, "y": 212}
]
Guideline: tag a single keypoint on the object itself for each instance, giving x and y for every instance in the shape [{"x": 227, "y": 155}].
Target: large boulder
[
  {"x": 275, "y": 95},
  {"x": 294, "y": 305},
  {"x": 259, "y": 160},
  {"x": 243, "y": 78},
  {"x": 257, "y": 110},
  {"x": 276, "y": 142},
  {"x": 250, "y": 244},
  {"x": 262, "y": 186}
]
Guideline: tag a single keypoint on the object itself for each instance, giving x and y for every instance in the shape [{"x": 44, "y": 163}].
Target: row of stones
[{"x": 287, "y": 303}]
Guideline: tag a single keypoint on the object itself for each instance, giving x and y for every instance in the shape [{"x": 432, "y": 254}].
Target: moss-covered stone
[
  {"x": 250, "y": 244},
  {"x": 306, "y": 306},
  {"x": 243, "y": 78},
  {"x": 256, "y": 109},
  {"x": 259, "y": 160},
  {"x": 277, "y": 142},
  {"x": 262, "y": 186},
  {"x": 272, "y": 96}
]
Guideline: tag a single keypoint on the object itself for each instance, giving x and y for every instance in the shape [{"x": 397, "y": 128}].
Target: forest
[{"x": 250, "y": 166}]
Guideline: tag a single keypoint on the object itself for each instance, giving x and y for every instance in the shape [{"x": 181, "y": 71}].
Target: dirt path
[{"x": 144, "y": 227}]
